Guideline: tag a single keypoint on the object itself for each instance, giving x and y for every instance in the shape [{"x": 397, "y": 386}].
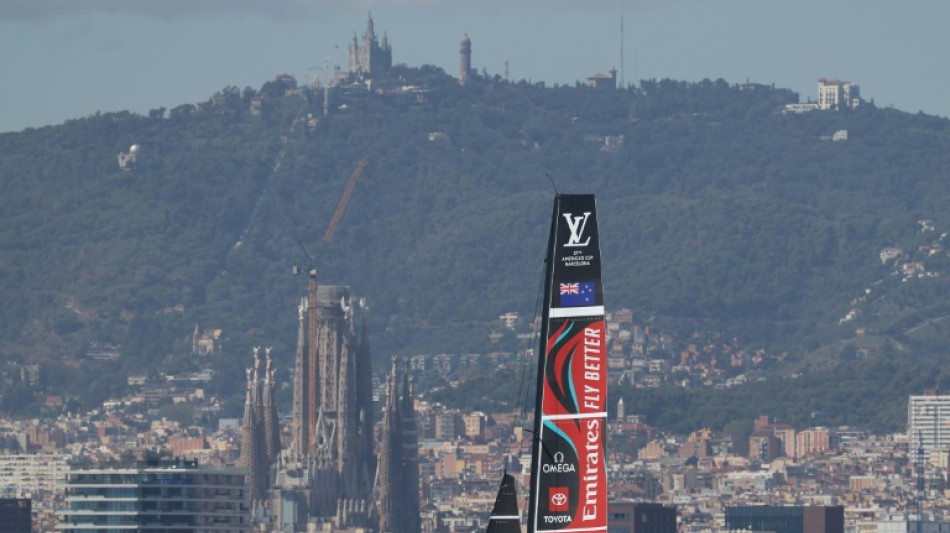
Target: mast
[
  {"x": 542, "y": 353},
  {"x": 568, "y": 469}
]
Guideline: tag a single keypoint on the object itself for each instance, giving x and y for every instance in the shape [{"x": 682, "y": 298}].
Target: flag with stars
[{"x": 576, "y": 294}]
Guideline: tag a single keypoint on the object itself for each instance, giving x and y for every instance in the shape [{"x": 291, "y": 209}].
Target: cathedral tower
[
  {"x": 300, "y": 438},
  {"x": 260, "y": 442},
  {"x": 269, "y": 409},
  {"x": 398, "y": 475},
  {"x": 370, "y": 56},
  {"x": 332, "y": 456}
]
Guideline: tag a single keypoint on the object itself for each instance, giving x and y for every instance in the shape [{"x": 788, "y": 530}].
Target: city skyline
[{"x": 68, "y": 60}]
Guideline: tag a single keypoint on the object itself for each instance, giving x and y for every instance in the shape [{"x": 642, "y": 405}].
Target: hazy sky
[{"x": 63, "y": 59}]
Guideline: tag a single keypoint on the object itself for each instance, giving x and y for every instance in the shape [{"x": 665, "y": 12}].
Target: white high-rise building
[{"x": 928, "y": 423}]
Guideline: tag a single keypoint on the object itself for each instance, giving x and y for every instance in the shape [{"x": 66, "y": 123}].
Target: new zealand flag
[{"x": 577, "y": 294}]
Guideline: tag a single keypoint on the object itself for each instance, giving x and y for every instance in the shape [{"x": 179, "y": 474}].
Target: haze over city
[
  {"x": 741, "y": 302},
  {"x": 65, "y": 59}
]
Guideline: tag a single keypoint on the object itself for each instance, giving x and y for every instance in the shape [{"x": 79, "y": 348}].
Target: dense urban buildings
[
  {"x": 156, "y": 496},
  {"x": 460, "y": 454}
]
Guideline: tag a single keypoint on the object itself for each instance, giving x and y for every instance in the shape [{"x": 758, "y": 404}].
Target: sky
[{"x": 64, "y": 59}]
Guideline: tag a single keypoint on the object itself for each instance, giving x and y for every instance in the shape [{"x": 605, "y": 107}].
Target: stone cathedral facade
[
  {"x": 370, "y": 56},
  {"x": 330, "y": 479}
]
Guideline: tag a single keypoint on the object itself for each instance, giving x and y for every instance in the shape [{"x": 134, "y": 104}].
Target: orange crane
[{"x": 328, "y": 236}]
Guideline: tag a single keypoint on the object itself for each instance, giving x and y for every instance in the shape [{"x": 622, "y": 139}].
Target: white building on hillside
[{"x": 836, "y": 94}]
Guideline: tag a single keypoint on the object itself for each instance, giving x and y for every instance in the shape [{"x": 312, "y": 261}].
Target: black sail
[{"x": 505, "y": 517}]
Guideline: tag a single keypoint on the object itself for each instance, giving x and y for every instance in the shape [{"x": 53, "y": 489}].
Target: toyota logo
[{"x": 558, "y": 499}]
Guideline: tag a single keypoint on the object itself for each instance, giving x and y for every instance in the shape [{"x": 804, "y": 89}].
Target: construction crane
[
  {"x": 312, "y": 262},
  {"x": 328, "y": 236}
]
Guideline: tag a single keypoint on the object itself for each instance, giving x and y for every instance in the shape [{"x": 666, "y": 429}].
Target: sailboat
[{"x": 568, "y": 491}]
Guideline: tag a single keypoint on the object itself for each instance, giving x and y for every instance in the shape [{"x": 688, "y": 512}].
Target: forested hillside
[{"x": 717, "y": 211}]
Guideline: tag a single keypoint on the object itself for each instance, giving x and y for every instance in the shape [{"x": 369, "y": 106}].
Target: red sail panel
[
  {"x": 569, "y": 474},
  {"x": 575, "y": 379}
]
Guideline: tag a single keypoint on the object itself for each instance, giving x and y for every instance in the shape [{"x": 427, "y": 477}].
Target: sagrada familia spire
[
  {"x": 260, "y": 433},
  {"x": 398, "y": 458},
  {"x": 333, "y": 403},
  {"x": 328, "y": 479}
]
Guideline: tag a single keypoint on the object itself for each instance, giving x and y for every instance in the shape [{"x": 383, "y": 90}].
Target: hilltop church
[{"x": 370, "y": 57}]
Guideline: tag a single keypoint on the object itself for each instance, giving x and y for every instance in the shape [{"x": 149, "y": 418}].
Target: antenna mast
[{"x": 622, "y": 84}]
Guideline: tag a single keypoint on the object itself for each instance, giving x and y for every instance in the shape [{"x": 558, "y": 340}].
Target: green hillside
[{"x": 717, "y": 211}]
